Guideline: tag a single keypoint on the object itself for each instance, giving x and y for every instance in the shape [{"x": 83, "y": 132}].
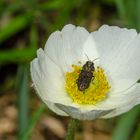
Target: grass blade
[
  {"x": 136, "y": 135},
  {"x": 121, "y": 8},
  {"x": 23, "y": 95},
  {"x": 36, "y": 116}
]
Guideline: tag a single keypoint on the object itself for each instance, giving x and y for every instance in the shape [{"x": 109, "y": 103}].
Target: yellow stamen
[{"x": 97, "y": 90}]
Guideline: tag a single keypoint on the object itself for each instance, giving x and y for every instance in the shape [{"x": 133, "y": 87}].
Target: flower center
[{"x": 96, "y": 91}]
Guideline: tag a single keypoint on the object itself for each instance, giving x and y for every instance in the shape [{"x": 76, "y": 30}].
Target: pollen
[{"x": 97, "y": 90}]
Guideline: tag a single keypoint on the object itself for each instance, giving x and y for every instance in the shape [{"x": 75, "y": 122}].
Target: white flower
[{"x": 117, "y": 70}]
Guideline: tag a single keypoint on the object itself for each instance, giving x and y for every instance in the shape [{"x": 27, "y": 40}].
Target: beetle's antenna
[
  {"x": 87, "y": 57},
  {"x": 95, "y": 59}
]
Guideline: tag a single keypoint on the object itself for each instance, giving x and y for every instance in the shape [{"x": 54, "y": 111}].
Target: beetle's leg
[{"x": 92, "y": 79}]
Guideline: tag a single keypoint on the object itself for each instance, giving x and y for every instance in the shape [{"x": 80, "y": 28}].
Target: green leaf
[
  {"x": 33, "y": 37},
  {"x": 126, "y": 124},
  {"x": 14, "y": 26},
  {"x": 64, "y": 14},
  {"x": 17, "y": 55},
  {"x": 138, "y": 14},
  {"x": 129, "y": 11},
  {"x": 51, "y": 5}
]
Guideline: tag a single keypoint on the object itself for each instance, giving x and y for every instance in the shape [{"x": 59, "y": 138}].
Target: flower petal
[
  {"x": 128, "y": 104},
  {"x": 112, "y": 101},
  {"x": 40, "y": 89},
  {"x": 65, "y": 47},
  {"x": 119, "y": 52},
  {"x": 111, "y": 107},
  {"x": 48, "y": 79},
  {"x": 116, "y": 100},
  {"x": 54, "y": 108},
  {"x": 77, "y": 113},
  {"x": 90, "y": 50}
]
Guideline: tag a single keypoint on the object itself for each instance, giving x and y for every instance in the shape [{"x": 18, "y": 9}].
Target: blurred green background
[{"x": 24, "y": 27}]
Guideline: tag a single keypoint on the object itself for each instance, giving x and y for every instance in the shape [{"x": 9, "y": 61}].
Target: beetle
[{"x": 85, "y": 75}]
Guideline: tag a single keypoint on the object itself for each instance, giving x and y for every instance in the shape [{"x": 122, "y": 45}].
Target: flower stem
[{"x": 71, "y": 129}]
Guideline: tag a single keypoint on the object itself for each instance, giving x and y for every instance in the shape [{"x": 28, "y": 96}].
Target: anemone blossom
[{"x": 113, "y": 85}]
